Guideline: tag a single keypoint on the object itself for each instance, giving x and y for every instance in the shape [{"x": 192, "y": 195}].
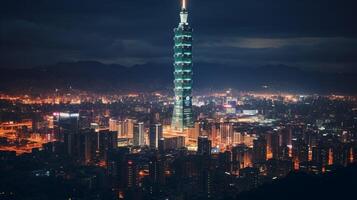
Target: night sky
[{"x": 308, "y": 34}]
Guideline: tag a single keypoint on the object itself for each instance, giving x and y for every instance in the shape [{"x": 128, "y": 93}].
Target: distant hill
[{"x": 96, "y": 76}]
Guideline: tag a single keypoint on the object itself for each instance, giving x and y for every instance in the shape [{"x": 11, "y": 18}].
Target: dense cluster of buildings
[{"x": 237, "y": 143}]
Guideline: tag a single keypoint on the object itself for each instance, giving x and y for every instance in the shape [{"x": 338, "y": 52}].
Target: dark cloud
[{"x": 319, "y": 34}]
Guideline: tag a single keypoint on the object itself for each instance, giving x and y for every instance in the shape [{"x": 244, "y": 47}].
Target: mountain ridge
[{"x": 99, "y": 77}]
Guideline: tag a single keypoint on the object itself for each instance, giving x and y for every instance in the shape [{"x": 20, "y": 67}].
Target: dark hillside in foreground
[{"x": 340, "y": 184}]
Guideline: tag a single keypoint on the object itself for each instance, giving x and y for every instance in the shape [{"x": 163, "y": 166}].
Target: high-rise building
[
  {"x": 139, "y": 134},
  {"x": 225, "y": 161},
  {"x": 162, "y": 147},
  {"x": 157, "y": 170},
  {"x": 226, "y": 132},
  {"x": 129, "y": 127},
  {"x": 238, "y": 138},
  {"x": 285, "y": 137},
  {"x": 106, "y": 141},
  {"x": 121, "y": 129},
  {"x": 182, "y": 115},
  {"x": 259, "y": 150},
  {"x": 204, "y": 146},
  {"x": 171, "y": 143},
  {"x": 86, "y": 146},
  {"x": 300, "y": 150},
  {"x": 197, "y": 130},
  {"x": 242, "y": 156},
  {"x": 85, "y": 119},
  {"x": 155, "y": 135},
  {"x": 214, "y": 134},
  {"x": 274, "y": 144},
  {"x": 113, "y": 125},
  {"x": 131, "y": 174},
  {"x": 66, "y": 126}
]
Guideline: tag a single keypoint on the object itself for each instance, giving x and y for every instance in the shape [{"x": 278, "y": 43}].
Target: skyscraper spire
[
  {"x": 184, "y": 13},
  {"x": 183, "y": 4}
]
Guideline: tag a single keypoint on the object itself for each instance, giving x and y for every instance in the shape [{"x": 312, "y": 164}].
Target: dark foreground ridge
[
  {"x": 21, "y": 182},
  {"x": 339, "y": 184}
]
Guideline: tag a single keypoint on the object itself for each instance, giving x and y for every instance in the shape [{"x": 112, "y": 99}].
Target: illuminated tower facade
[{"x": 182, "y": 114}]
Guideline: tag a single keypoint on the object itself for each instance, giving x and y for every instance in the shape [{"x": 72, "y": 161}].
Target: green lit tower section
[{"x": 182, "y": 114}]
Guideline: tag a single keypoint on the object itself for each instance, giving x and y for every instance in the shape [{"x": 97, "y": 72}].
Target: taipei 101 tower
[{"x": 182, "y": 113}]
